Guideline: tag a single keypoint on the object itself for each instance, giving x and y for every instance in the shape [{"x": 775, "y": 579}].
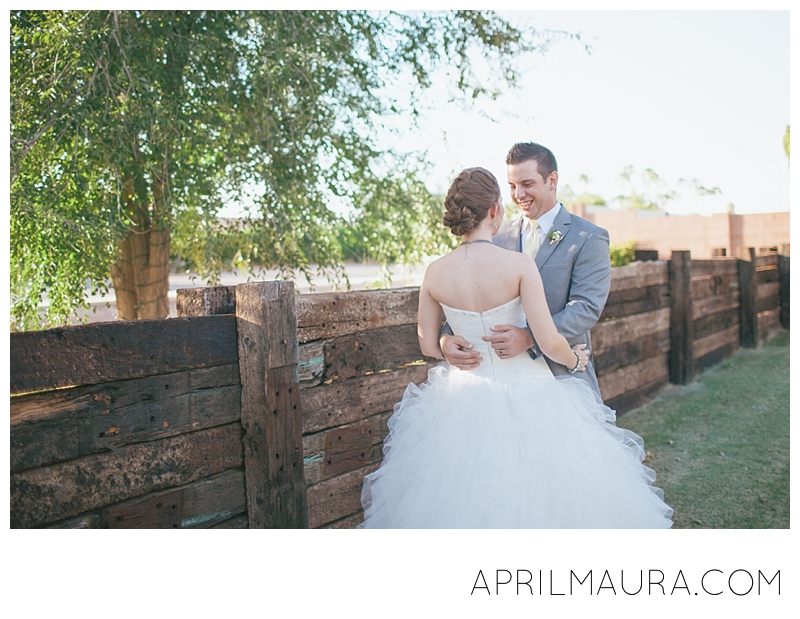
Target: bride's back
[{"x": 476, "y": 277}]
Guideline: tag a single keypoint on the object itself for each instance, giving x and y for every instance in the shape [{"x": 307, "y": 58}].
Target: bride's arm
[
  {"x": 550, "y": 341},
  {"x": 429, "y": 322}
]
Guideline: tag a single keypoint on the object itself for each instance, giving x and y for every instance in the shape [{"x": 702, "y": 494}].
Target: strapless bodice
[{"x": 474, "y": 325}]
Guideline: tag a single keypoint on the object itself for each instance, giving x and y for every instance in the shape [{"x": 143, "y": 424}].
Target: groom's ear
[{"x": 552, "y": 180}]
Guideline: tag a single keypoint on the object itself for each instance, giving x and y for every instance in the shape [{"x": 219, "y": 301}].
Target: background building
[{"x": 706, "y": 236}]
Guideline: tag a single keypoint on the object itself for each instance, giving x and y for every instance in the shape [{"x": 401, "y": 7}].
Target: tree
[
  {"x": 648, "y": 191},
  {"x": 568, "y": 196},
  {"x": 131, "y": 129}
]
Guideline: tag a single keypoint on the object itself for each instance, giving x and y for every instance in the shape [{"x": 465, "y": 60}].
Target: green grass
[{"x": 720, "y": 446}]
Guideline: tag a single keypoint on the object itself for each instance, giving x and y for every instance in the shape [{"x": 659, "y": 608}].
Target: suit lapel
[
  {"x": 509, "y": 236},
  {"x": 561, "y": 224}
]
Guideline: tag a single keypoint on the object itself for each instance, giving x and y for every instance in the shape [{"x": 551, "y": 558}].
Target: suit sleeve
[{"x": 589, "y": 285}]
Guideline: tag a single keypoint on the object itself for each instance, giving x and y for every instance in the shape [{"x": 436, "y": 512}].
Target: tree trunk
[{"x": 141, "y": 275}]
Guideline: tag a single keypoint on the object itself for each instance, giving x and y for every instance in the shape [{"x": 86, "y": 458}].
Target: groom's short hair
[{"x": 525, "y": 151}]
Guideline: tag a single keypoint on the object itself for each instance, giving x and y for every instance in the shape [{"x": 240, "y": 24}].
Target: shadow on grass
[{"x": 720, "y": 445}]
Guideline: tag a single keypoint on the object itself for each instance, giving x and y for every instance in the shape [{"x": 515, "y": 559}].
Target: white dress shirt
[{"x": 545, "y": 221}]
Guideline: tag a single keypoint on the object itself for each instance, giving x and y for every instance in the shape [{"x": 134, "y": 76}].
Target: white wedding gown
[{"x": 507, "y": 445}]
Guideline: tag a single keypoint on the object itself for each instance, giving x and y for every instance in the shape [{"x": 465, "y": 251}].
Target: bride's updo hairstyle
[{"x": 469, "y": 199}]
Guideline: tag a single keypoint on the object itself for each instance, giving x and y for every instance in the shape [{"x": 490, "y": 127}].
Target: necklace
[
  {"x": 475, "y": 241},
  {"x": 469, "y": 242}
]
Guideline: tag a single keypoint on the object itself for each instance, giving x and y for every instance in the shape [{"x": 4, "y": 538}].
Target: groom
[{"x": 571, "y": 253}]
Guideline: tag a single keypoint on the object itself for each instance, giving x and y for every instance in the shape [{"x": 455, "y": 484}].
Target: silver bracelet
[{"x": 577, "y": 365}]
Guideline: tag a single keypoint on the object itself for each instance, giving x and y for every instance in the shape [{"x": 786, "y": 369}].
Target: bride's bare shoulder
[{"x": 437, "y": 267}]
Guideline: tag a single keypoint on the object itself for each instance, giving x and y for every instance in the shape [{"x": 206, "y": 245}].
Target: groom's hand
[
  {"x": 509, "y": 341},
  {"x": 458, "y": 352}
]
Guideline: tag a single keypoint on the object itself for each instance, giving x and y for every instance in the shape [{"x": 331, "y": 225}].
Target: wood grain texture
[
  {"x": 359, "y": 354},
  {"x": 681, "y": 359},
  {"x": 84, "y": 521},
  {"x": 49, "y": 494},
  {"x": 768, "y": 274},
  {"x": 769, "y": 325},
  {"x": 714, "y": 285},
  {"x": 271, "y": 413},
  {"x": 631, "y": 352},
  {"x": 344, "y": 448},
  {"x": 348, "y": 401},
  {"x": 102, "y": 352},
  {"x": 783, "y": 278},
  {"x": 766, "y": 261},
  {"x": 634, "y": 301},
  {"x": 713, "y": 323},
  {"x": 198, "y": 505},
  {"x": 311, "y": 363},
  {"x": 336, "y": 498},
  {"x": 638, "y": 275},
  {"x": 704, "y": 346},
  {"x": 748, "y": 288},
  {"x": 321, "y": 316},
  {"x": 768, "y": 296},
  {"x": 615, "y": 332},
  {"x": 633, "y": 376},
  {"x": 60, "y": 425},
  {"x": 715, "y": 304},
  {"x": 206, "y": 301},
  {"x": 714, "y": 266}
]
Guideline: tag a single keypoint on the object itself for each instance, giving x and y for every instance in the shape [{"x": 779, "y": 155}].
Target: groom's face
[{"x": 532, "y": 193}]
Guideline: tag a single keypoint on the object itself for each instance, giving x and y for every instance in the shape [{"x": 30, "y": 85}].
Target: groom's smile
[{"x": 533, "y": 194}]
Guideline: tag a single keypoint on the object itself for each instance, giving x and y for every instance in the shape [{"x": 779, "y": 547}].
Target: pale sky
[{"x": 691, "y": 94}]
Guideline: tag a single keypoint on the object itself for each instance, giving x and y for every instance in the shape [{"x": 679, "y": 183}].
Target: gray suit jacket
[{"x": 576, "y": 273}]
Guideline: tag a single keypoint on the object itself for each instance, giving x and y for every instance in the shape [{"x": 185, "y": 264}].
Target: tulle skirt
[{"x": 467, "y": 451}]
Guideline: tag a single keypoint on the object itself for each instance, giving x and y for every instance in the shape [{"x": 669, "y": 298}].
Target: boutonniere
[{"x": 555, "y": 236}]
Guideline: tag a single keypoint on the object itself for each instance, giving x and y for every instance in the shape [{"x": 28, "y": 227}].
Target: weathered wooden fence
[{"x": 258, "y": 408}]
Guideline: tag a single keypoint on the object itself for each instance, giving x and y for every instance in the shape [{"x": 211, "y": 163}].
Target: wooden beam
[
  {"x": 681, "y": 359},
  {"x": 631, "y": 352},
  {"x": 206, "y": 301},
  {"x": 198, "y": 505},
  {"x": 783, "y": 278},
  {"x": 614, "y": 332},
  {"x": 645, "y": 255},
  {"x": 326, "y": 315},
  {"x": 336, "y": 498},
  {"x": 348, "y": 401},
  {"x": 639, "y": 275},
  {"x": 748, "y": 294},
  {"x": 49, "y": 494},
  {"x": 371, "y": 351},
  {"x": 102, "y": 352},
  {"x": 55, "y": 426},
  {"x": 271, "y": 414},
  {"x": 631, "y": 377}
]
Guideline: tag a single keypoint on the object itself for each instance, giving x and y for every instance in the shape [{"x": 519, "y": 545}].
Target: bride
[{"x": 505, "y": 445}]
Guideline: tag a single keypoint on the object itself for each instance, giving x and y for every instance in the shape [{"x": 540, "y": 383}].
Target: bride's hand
[{"x": 584, "y": 354}]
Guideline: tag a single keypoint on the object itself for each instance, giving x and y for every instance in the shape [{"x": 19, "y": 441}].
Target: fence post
[
  {"x": 783, "y": 278},
  {"x": 645, "y": 255},
  {"x": 266, "y": 319},
  {"x": 206, "y": 301},
  {"x": 748, "y": 294},
  {"x": 681, "y": 328}
]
